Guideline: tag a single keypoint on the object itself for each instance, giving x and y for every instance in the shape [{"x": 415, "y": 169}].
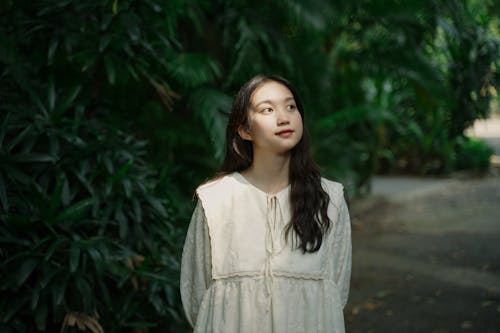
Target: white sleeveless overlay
[{"x": 238, "y": 273}]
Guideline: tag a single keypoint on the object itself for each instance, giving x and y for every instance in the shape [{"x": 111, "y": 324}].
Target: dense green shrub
[
  {"x": 472, "y": 154},
  {"x": 83, "y": 234},
  {"x": 88, "y": 235}
]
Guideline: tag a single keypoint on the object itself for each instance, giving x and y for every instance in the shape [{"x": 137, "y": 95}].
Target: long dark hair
[{"x": 308, "y": 199}]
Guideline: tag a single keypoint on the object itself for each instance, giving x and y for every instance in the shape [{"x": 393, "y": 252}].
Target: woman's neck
[{"x": 269, "y": 172}]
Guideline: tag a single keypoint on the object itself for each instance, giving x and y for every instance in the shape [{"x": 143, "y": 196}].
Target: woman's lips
[{"x": 285, "y": 133}]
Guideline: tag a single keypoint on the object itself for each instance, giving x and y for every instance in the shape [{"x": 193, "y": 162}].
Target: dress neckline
[{"x": 246, "y": 181}]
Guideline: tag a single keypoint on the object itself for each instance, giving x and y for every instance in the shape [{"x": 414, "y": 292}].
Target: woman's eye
[
  {"x": 291, "y": 107},
  {"x": 267, "y": 110}
]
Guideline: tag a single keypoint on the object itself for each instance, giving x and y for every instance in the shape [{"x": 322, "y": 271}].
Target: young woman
[{"x": 268, "y": 248}]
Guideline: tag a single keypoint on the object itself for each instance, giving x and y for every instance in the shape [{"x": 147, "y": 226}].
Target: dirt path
[
  {"x": 426, "y": 252},
  {"x": 426, "y": 257}
]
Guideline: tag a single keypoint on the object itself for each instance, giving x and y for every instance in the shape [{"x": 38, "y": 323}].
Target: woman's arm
[
  {"x": 343, "y": 252},
  {"x": 196, "y": 264}
]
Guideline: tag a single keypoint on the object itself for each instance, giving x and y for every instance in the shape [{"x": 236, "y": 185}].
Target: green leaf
[
  {"x": 35, "y": 297},
  {"x": 16, "y": 175},
  {"x": 3, "y": 194},
  {"x": 104, "y": 42},
  {"x": 51, "y": 96},
  {"x": 110, "y": 69},
  {"x": 108, "y": 187},
  {"x": 140, "y": 324},
  {"x": 415, "y": 129},
  {"x": 15, "y": 305},
  {"x": 127, "y": 187},
  {"x": 39, "y": 243},
  {"x": 121, "y": 172},
  {"x": 41, "y": 317},
  {"x": 213, "y": 106},
  {"x": 18, "y": 220},
  {"x": 52, "y": 50},
  {"x": 69, "y": 99},
  {"x": 75, "y": 211},
  {"x": 193, "y": 69},
  {"x": 132, "y": 22},
  {"x": 84, "y": 290},
  {"x": 74, "y": 257},
  {"x": 103, "y": 291},
  {"x": 120, "y": 271},
  {"x": 80, "y": 175},
  {"x": 158, "y": 206},
  {"x": 346, "y": 117},
  {"x": 123, "y": 223},
  {"x": 38, "y": 102},
  {"x": 57, "y": 291},
  {"x": 137, "y": 210},
  {"x": 157, "y": 302},
  {"x": 27, "y": 267},
  {"x": 50, "y": 273},
  {"x": 95, "y": 255},
  {"x": 173, "y": 313},
  {"x": 108, "y": 163},
  {"x": 53, "y": 247},
  {"x": 54, "y": 146},
  {"x": 19, "y": 138},
  {"x": 8, "y": 238},
  {"x": 133, "y": 72},
  {"x": 170, "y": 294},
  {"x": 55, "y": 199},
  {"x": 33, "y": 157},
  {"x": 154, "y": 276},
  {"x": 4, "y": 128},
  {"x": 65, "y": 193}
]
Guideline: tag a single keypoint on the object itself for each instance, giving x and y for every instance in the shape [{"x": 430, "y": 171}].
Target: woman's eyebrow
[{"x": 271, "y": 102}]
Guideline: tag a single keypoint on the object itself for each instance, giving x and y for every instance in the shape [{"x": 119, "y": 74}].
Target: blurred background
[{"x": 113, "y": 111}]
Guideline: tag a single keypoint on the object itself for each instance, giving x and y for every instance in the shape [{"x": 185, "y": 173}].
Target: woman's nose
[{"x": 282, "y": 117}]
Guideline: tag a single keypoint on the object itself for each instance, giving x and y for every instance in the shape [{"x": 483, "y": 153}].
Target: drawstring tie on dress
[{"x": 273, "y": 224}]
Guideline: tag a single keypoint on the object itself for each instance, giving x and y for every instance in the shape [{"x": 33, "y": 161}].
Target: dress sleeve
[
  {"x": 343, "y": 252},
  {"x": 196, "y": 264}
]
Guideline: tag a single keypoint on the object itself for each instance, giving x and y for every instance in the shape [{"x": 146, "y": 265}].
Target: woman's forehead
[{"x": 270, "y": 92}]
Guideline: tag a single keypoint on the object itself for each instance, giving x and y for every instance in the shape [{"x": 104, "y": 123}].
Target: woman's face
[{"x": 274, "y": 122}]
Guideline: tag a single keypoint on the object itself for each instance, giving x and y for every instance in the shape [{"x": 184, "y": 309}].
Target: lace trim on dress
[
  {"x": 239, "y": 275},
  {"x": 258, "y": 275},
  {"x": 298, "y": 276}
]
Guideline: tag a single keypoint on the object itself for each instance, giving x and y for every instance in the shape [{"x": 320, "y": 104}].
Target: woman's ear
[{"x": 244, "y": 132}]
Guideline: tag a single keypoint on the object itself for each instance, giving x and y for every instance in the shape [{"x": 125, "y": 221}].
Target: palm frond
[
  {"x": 192, "y": 69},
  {"x": 212, "y": 107}
]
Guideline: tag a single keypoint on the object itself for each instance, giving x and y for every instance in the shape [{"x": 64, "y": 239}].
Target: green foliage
[
  {"x": 92, "y": 217},
  {"x": 89, "y": 237},
  {"x": 472, "y": 154},
  {"x": 396, "y": 103},
  {"x": 82, "y": 229},
  {"x": 472, "y": 50}
]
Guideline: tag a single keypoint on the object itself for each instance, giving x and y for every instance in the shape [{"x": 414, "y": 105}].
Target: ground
[{"x": 426, "y": 255}]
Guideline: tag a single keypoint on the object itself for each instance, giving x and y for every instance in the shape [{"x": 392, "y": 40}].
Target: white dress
[{"x": 238, "y": 273}]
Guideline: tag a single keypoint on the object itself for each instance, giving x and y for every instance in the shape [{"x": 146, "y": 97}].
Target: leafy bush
[
  {"x": 89, "y": 236},
  {"x": 84, "y": 239},
  {"x": 472, "y": 154}
]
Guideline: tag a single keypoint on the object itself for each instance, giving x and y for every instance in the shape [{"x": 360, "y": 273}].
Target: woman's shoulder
[
  {"x": 332, "y": 187},
  {"x": 335, "y": 191},
  {"x": 217, "y": 183},
  {"x": 214, "y": 193}
]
